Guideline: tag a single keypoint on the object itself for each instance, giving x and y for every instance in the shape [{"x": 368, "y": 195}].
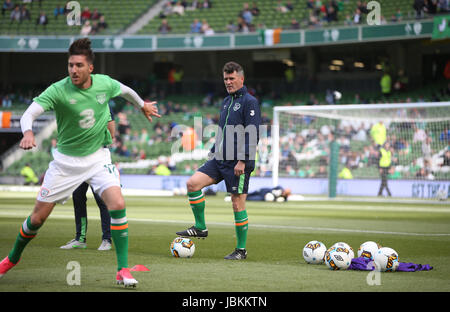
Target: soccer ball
[
  {"x": 441, "y": 195},
  {"x": 337, "y": 95},
  {"x": 386, "y": 260},
  {"x": 269, "y": 197},
  {"x": 182, "y": 247},
  {"x": 368, "y": 249},
  {"x": 313, "y": 252},
  {"x": 337, "y": 258},
  {"x": 280, "y": 199},
  {"x": 351, "y": 253}
]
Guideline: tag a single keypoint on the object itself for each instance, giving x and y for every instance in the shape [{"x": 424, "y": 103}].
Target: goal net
[{"x": 336, "y": 149}]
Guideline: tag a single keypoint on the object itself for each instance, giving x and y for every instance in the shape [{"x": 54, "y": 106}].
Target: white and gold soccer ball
[
  {"x": 368, "y": 249},
  {"x": 269, "y": 197},
  {"x": 182, "y": 247},
  {"x": 351, "y": 252},
  {"x": 386, "y": 260},
  {"x": 314, "y": 252},
  {"x": 337, "y": 258}
]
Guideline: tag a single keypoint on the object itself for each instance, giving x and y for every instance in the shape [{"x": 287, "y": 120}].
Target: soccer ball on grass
[
  {"x": 351, "y": 253},
  {"x": 314, "y": 252},
  {"x": 182, "y": 247},
  {"x": 337, "y": 258},
  {"x": 386, "y": 260},
  {"x": 368, "y": 249}
]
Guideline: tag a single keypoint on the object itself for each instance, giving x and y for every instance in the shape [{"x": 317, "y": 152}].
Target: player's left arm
[
  {"x": 149, "y": 109},
  {"x": 252, "y": 121}
]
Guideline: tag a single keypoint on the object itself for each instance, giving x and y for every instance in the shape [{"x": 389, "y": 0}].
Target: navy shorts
[{"x": 224, "y": 170}]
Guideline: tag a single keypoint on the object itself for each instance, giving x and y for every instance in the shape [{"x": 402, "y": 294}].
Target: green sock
[
  {"x": 26, "y": 234},
  {"x": 119, "y": 235},
  {"x": 83, "y": 230},
  {"x": 241, "y": 223},
  {"x": 197, "y": 202}
]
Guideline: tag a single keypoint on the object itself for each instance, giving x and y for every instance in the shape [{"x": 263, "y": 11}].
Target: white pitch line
[
  {"x": 255, "y": 225},
  {"x": 377, "y": 208}
]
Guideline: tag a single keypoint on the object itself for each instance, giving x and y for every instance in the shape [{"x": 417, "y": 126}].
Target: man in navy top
[{"x": 232, "y": 158}]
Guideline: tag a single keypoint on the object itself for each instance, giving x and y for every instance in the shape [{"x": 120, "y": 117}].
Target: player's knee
[
  {"x": 191, "y": 186},
  {"x": 238, "y": 202},
  {"x": 237, "y": 205},
  {"x": 116, "y": 205}
]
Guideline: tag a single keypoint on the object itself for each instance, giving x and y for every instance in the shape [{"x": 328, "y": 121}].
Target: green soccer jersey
[{"x": 82, "y": 115}]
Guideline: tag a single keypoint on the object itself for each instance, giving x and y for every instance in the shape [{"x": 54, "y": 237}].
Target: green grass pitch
[{"x": 419, "y": 232}]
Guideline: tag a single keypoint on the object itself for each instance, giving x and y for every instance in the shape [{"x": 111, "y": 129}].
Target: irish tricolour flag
[
  {"x": 5, "y": 119},
  {"x": 270, "y": 37}
]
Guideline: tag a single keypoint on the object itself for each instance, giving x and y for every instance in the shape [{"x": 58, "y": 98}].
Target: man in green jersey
[{"x": 80, "y": 102}]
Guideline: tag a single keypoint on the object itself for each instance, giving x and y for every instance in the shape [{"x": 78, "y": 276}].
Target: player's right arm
[{"x": 26, "y": 124}]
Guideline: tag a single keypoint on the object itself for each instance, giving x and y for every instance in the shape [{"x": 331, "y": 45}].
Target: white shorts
[{"x": 65, "y": 173}]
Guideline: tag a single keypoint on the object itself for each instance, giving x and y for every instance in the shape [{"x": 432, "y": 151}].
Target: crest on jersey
[
  {"x": 236, "y": 106},
  {"x": 101, "y": 98},
  {"x": 44, "y": 192}
]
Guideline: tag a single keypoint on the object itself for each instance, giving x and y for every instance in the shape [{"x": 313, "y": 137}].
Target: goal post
[{"x": 342, "y": 144}]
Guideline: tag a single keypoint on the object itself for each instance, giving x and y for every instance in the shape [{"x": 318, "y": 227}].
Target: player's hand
[
  {"x": 149, "y": 109},
  {"x": 27, "y": 141},
  {"x": 239, "y": 168}
]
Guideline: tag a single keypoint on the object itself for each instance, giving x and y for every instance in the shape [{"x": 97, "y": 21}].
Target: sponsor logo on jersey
[{"x": 73, "y": 101}]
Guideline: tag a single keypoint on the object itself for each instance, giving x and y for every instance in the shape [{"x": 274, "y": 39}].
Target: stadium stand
[
  {"x": 144, "y": 140},
  {"x": 273, "y": 14},
  {"x": 116, "y": 15},
  {"x": 221, "y": 16}
]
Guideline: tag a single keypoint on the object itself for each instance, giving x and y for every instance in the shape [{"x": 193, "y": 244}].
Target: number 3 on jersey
[{"x": 88, "y": 118}]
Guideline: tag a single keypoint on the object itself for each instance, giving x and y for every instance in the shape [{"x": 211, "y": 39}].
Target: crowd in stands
[
  {"x": 304, "y": 149},
  {"x": 320, "y": 13},
  {"x": 178, "y": 7},
  {"x": 9, "y": 98},
  {"x": 424, "y": 7},
  {"x": 92, "y": 21},
  {"x": 19, "y": 12}
]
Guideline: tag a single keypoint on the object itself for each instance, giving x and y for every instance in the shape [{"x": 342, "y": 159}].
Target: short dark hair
[
  {"x": 82, "y": 47},
  {"x": 232, "y": 67}
]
